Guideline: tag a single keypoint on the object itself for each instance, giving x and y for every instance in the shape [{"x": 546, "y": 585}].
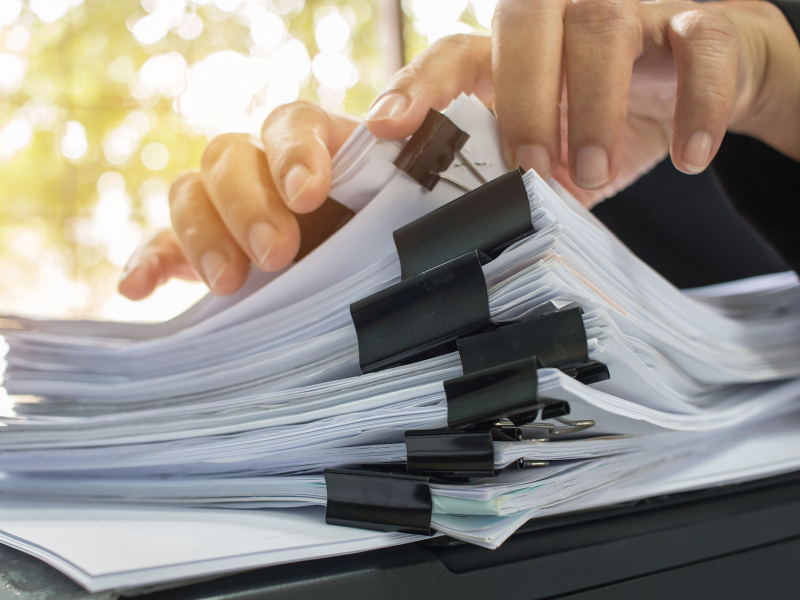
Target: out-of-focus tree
[{"x": 103, "y": 103}]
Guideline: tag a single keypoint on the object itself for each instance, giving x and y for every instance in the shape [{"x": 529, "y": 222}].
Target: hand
[
  {"x": 596, "y": 92},
  {"x": 643, "y": 79},
  {"x": 239, "y": 208}
]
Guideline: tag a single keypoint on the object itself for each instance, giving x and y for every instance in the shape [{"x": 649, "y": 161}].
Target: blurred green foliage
[{"x": 82, "y": 72}]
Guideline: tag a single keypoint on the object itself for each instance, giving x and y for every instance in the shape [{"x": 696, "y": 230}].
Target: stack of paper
[{"x": 244, "y": 402}]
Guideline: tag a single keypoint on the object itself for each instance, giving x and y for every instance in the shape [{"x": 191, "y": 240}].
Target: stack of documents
[{"x": 585, "y": 378}]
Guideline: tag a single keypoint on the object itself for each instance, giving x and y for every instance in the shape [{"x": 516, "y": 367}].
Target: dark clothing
[
  {"x": 698, "y": 229},
  {"x": 763, "y": 184}
]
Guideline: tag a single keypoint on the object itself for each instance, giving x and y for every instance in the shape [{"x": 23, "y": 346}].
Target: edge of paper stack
[{"x": 471, "y": 350}]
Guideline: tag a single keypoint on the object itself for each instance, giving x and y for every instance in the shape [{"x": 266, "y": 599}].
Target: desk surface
[{"x": 733, "y": 542}]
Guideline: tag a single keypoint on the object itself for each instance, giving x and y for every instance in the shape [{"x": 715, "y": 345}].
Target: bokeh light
[
  {"x": 332, "y": 33},
  {"x": 102, "y": 104},
  {"x": 190, "y": 26},
  {"x": 9, "y": 11},
  {"x": 12, "y": 72},
  {"x": 15, "y": 136},
  {"x": 17, "y": 38},
  {"x": 74, "y": 144},
  {"x": 163, "y": 74},
  {"x": 267, "y": 30},
  {"x": 155, "y": 156},
  {"x": 49, "y": 11}
]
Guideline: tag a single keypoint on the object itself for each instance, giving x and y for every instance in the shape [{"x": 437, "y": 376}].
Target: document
[{"x": 172, "y": 440}]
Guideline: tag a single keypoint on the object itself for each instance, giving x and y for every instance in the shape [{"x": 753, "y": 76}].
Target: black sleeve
[{"x": 763, "y": 184}]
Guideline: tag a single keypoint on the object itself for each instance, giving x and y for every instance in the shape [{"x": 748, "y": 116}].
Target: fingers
[
  {"x": 299, "y": 141},
  {"x": 452, "y": 65},
  {"x": 249, "y": 210},
  {"x": 207, "y": 243},
  {"x": 706, "y": 52},
  {"x": 154, "y": 262},
  {"x": 527, "y": 67},
  {"x": 602, "y": 40}
]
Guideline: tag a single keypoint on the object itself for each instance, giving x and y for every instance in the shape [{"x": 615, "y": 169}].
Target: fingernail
[
  {"x": 129, "y": 268},
  {"x": 534, "y": 157},
  {"x": 591, "y": 167},
  {"x": 130, "y": 273},
  {"x": 262, "y": 239},
  {"x": 214, "y": 264},
  {"x": 295, "y": 183},
  {"x": 696, "y": 151},
  {"x": 387, "y": 107}
]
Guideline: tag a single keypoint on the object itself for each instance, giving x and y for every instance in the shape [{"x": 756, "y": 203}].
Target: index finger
[
  {"x": 527, "y": 57},
  {"x": 451, "y": 66},
  {"x": 300, "y": 140}
]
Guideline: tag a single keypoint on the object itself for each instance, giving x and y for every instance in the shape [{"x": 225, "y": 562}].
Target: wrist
[{"x": 768, "y": 99}]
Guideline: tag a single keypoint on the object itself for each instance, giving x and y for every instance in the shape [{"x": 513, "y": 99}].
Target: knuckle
[
  {"x": 459, "y": 43},
  {"x": 603, "y": 17},
  {"x": 300, "y": 113},
  {"x": 218, "y": 148},
  {"x": 450, "y": 52},
  {"x": 161, "y": 238},
  {"x": 192, "y": 236},
  {"x": 516, "y": 14},
  {"x": 183, "y": 186},
  {"x": 414, "y": 73},
  {"x": 706, "y": 27},
  {"x": 712, "y": 98},
  {"x": 236, "y": 209}
]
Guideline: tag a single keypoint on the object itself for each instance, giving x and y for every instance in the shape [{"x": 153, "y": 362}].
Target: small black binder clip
[
  {"x": 556, "y": 410},
  {"x": 448, "y": 453},
  {"x": 489, "y": 218},
  {"x": 593, "y": 372},
  {"x": 422, "y": 316},
  {"x": 509, "y": 391},
  {"x": 320, "y": 224},
  {"x": 431, "y": 149},
  {"x": 557, "y": 339},
  {"x": 379, "y": 500}
]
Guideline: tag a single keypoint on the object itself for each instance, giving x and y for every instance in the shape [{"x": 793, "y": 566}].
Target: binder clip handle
[{"x": 431, "y": 149}]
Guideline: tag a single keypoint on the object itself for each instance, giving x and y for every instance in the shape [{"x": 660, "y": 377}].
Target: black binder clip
[
  {"x": 592, "y": 372},
  {"x": 320, "y": 224},
  {"x": 422, "y": 316},
  {"x": 448, "y": 453},
  {"x": 557, "y": 339},
  {"x": 381, "y": 501},
  {"x": 432, "y": 149},
  {"x": 489, "y": 218},
  {"x": 481, "y": 398}
]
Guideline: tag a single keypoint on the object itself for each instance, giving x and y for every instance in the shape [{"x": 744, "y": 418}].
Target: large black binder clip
[
  {"x": 448, "y": 453},
  {"x": 320, "y": 224},
  {"x": 422, "y": 316},
  {"x": 431, "y": 149},
  {"x": 557, "y": 339},
  {"x": 381, "y": 501},
  {"x": 489, "y": 218},
  {"x": 509, "y": 391}
]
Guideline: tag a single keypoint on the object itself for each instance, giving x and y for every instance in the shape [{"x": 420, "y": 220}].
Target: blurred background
[{"x": 102, "y": 104}]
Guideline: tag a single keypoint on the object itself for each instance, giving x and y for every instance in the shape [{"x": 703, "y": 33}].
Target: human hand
[
  {"x": 596, "y": 92},
  {"x": 643, "y": 79},
  {"x": 239, "y": 208}
]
